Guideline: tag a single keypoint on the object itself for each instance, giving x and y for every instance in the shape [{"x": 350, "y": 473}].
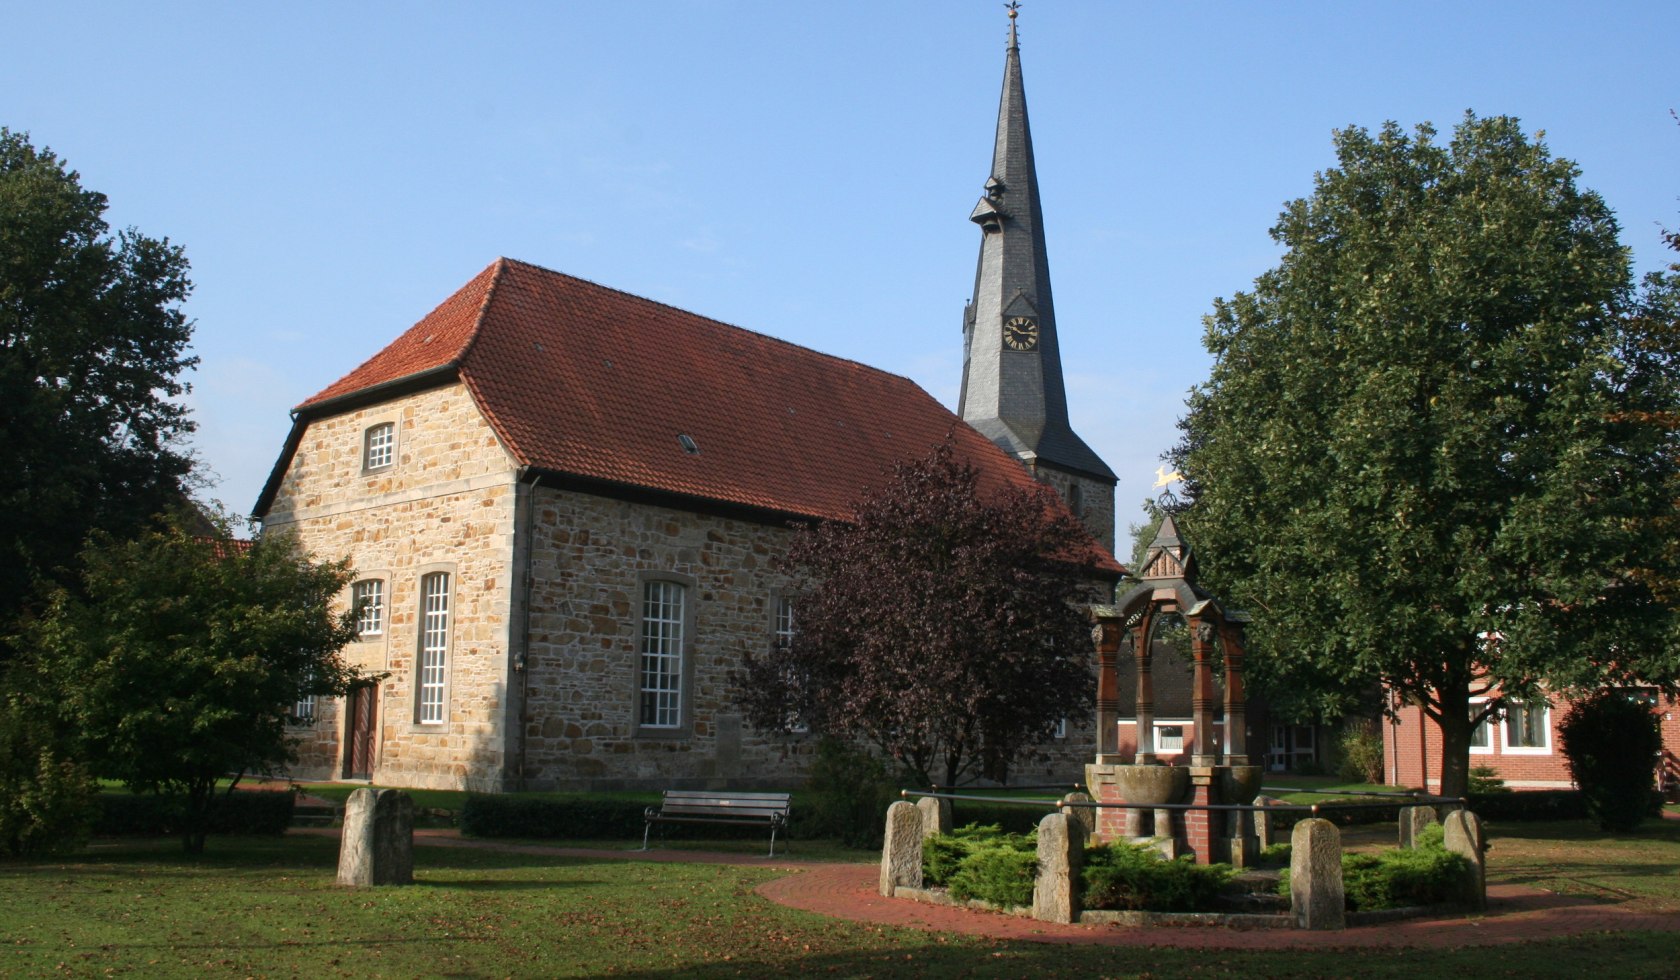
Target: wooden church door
[{"x": 358, "y": 762}]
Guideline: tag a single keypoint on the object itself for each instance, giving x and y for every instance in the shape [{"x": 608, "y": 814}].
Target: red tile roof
[{"x": 584, "y": 380}]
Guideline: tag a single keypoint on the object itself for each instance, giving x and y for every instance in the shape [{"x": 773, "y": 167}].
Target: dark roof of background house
[{"x": 590, "y": 382}]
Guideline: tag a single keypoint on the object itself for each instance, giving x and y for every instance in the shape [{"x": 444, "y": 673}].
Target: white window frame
[
  {"x": 1486, "y": 727},
  {"x": 303, "y": 712},
  {"x": 370, "y": 619},
  {"x": 431, "y": 663},
  {"x": 1161, "y": 746},
  {"x": 379, "y": 446},
  {"x": 661, "y": 641},
  {"x": 1061, "y": 729},
  {"x": 1545, "y": 748}
]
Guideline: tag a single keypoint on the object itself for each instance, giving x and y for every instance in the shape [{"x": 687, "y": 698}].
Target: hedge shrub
[
  {"x": 1611, "y": 740},
  {"x": 1126, "y": 876},
  {"x": 571, "y": 818},
  {"x": 255, "y": 813}
]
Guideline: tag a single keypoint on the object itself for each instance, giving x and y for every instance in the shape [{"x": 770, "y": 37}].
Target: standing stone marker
[
  {"x": 378, "y": 842},
  {"x": 936, "y": 815},
  {"x": 1061, "y": 852},
  {"x": 1316, "y": 896},
  {"x": 901, "y": 852},
  {"x": 1412, "y": 821},
  {"x": 1265, "y": 826},
  {"x": 1464, "y": 836}
]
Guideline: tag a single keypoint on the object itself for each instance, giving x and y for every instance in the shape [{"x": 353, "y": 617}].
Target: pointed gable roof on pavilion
[{"x": 623, "y": 394}]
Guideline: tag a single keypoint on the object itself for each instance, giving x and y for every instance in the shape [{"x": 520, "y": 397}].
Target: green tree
[
  {"x": 91, "y": 350},
  {"x": 942, "y": 626},
  {"x": 1420, "y": 458},
  {"x": 181, "y": 657}
]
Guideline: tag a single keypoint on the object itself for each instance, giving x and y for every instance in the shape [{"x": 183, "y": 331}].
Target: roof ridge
[
  {"x": 872, "y": 369},
  {"x": 460, "y": 359}
]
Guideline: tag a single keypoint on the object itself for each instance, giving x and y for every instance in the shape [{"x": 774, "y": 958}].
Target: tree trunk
[{"x": 1455, "y": 740}]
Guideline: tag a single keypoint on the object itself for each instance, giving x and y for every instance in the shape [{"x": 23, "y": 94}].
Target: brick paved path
[{"x": 848, "y": 891}]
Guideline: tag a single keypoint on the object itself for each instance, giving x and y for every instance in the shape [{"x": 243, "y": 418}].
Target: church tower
[{"x": 1012, "y": 370}]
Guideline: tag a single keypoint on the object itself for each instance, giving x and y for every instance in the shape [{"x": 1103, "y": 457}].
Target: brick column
[{"x": 1202, "y": 827}]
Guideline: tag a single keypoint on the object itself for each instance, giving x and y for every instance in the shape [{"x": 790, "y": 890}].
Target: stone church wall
[
  {"x": 591, "y": 559},
  {"x": 1095, "y": 503},
  {"x": 446, "y": 503}
]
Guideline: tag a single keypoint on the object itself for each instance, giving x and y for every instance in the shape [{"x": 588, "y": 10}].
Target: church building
[{"x": 565, "y": 504}]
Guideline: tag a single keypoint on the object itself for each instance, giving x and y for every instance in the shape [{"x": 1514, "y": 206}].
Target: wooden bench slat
[{"x": 710, "y": 806}]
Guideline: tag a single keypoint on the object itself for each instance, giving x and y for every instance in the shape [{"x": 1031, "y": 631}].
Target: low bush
[
  {"x": 1423, "y": 875},
  {"x": 1361, "y": 750},
  {"x": 46, "y": 798},
  {"x": 848, "y": 793},
  {"x": 263, "y": 814},
  {"x": 1127, "y": 876},
  {"x": 1000, "y": 874},
  {"x": 1427, "y": 874},
  {"x": 983, "y": 862}
]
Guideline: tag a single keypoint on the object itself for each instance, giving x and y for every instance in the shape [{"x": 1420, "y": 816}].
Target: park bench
[{"x": 704, "y": 806}]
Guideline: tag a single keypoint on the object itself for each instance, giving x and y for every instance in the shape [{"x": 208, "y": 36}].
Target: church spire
[{"x": 1012, "y": 388}]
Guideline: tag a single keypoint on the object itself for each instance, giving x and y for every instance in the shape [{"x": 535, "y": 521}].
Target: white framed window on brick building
[
  {"x": 1528, "y": 727},
  {"x": 1481, "y": 734},
  {"x": 431, "y": 705},
  {"x": 368, "y": 599},
  {"x": 379, "y": 446},
  {"x": 663, "y": 635}
]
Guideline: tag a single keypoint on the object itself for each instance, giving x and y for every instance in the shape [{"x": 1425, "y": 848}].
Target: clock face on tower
[{"x": 1020, "y": 333}]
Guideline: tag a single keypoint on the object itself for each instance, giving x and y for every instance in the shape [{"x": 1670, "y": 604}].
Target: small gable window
[{"x": 379, "y": 446}]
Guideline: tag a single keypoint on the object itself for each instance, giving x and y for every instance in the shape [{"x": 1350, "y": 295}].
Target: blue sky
[{"x": 805, "y": 170}]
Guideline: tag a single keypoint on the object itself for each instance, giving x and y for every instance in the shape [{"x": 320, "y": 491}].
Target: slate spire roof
[
  {"x": 620, "y": 394},
  {"x": 1016, "y": 397}
]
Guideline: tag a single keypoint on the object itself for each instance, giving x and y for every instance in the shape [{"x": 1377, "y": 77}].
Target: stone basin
[
  {"x": 1239, "y": 784},
  {"x": 1146, "y": 784}
]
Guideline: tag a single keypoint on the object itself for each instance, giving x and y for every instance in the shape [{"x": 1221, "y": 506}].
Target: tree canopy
[
  {"x": 182, "y": 656},
  {"x": 1425, "y": 454},
  {"x": 941, "y": 625},
  {"x": 92, "y": 341}
]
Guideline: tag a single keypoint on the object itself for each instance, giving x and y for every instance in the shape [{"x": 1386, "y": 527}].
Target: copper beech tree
[{"x": 942, "y": 626}]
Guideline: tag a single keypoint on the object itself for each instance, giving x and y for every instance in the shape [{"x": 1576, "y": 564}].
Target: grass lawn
[{"x": 269, "y": 907}]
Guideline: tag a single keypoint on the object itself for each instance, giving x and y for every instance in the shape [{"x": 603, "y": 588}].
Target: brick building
[
  {"x": 564, "y": 505},
  {"x": 1521, "y": 746}
]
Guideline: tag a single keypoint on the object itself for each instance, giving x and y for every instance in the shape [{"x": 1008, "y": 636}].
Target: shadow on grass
[{"x": 1624, "y": 955}]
